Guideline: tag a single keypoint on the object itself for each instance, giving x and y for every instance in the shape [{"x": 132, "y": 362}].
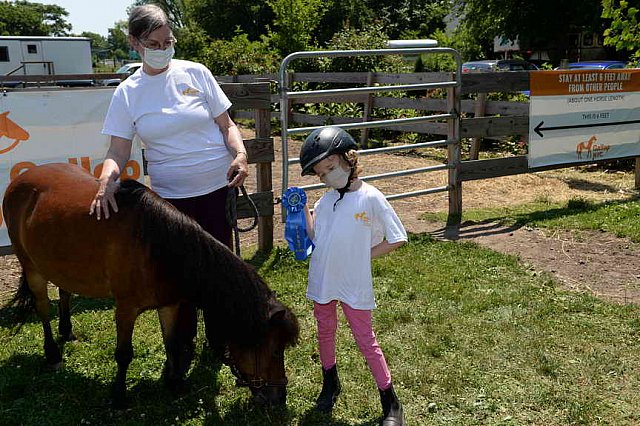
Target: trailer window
[
  {"x": 32, "y": 48},
  {"x": 4, "y": 54}
]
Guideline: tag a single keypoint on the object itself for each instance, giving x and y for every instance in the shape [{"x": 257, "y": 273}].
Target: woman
[{"x": 194, "y": 150}]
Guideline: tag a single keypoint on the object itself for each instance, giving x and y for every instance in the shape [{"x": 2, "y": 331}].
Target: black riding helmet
[{"x": 322, "y": 143}]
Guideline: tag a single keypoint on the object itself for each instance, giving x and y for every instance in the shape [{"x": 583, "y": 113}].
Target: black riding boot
[
  {"x": 330, "y": 390},
  {"x": 391, "y": 408}
]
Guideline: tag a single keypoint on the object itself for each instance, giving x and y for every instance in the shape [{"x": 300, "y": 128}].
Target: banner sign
[
  {"x": 583, "y": 115},
  {"x": 55, "y": 126}
]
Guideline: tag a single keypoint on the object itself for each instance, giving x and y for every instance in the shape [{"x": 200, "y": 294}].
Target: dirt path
[{"x": 595, "y": 262}]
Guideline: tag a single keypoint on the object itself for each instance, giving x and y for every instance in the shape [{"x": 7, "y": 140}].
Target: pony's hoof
[
  {"x": 55, "y": 366},
  {"x": 177, "y": 386},
  {"x": 119, "y": 403},
  {"x": 69, "y": 337},
  {"x": 181, "y": 388}
]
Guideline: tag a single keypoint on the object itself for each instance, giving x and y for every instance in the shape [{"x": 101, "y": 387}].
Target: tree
[
  {"x": 295, "y": 22},
  {"x": 410, "y": 18},
  {"x": 118, "y": 41},
  {"x": 224, "y": 19},
  {"x": 400, "y": 18},
  {"x": 623, "y": 32},
  {"x": 98, "y": 42},
  {"x": 536, "y": 24},
  {"x": 33, "y": 19}
]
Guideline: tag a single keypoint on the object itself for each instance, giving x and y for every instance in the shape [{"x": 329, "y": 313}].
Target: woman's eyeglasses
[{"x": 155, "y": 45}]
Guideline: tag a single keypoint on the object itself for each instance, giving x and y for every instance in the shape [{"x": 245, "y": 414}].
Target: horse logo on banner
[
  {"x": 586, "y": 146},
  {"x": 11, "y": 130}
]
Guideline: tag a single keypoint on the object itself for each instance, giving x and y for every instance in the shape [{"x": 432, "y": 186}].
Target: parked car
[
  {"x": 597, "y": 65},
  {"x": 494, "y": 65},
  {"x": 126, "y": 69}
]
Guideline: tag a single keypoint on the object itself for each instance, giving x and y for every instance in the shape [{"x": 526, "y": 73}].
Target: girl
[{"x": 351, "y": 224}]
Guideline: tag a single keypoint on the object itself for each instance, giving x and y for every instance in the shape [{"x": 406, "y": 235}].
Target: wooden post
[
  {"x": 479, "y": 111},
  {"x": 368, "y": 104},
  {"x": 264, "y": 181},
  {"x": 453, "y": 157},
  {"x": 232, "y": 112},
  {"x": 637, "y": 174}
]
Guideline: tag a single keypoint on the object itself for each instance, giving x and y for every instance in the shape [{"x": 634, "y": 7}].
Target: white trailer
[{"x": 35, "y": 55}]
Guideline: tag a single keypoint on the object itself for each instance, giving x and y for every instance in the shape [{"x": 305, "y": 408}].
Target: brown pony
[{"x": 146, "y": 256}]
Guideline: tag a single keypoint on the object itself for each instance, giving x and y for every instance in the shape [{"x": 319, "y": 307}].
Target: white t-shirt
[
  {"x": 173, "y": 114},
  {"x": 340, "y": 267}
]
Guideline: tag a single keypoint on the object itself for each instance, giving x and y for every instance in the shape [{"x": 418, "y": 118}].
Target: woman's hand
[
  {"x": 238, "y": 171},
  {"x": 115, "y": 160},
  {"x": 105, "y": 198}
]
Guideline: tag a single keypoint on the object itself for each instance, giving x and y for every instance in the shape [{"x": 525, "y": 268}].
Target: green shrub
[{"x": 240, "y": 56}]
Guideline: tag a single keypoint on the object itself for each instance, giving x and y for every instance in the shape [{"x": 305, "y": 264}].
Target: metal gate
[{"x": 452, "y": 117}]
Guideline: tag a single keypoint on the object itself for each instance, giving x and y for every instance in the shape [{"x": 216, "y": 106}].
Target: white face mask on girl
[
  {"x": 158, "y": 59},
  {"x": 336, "y": 178}
]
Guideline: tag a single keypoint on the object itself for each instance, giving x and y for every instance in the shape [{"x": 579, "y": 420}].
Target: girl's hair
[
  {"x": 352, "y": 159},
  {"x": 145, "y": 19}
]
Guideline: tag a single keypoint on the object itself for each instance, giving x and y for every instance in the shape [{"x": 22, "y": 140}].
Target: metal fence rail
[{"x": 452, "y": 117}]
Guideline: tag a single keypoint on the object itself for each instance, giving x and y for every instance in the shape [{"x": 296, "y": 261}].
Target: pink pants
[{"x": 362, "y": 330}]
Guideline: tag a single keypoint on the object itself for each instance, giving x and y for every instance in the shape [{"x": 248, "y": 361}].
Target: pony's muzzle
[{"x": 269, "y": 396}]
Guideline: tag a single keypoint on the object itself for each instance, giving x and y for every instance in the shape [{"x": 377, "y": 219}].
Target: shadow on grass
[
  {"x": 31, "y": 394},
  {"x": 586, "y": 185},
  {"x": 315, "y": 418},
  {"x": 79, "y": 304},
  {"x": 512, "y": 221}
]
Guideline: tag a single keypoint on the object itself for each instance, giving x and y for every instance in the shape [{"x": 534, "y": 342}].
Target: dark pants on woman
[{"x": 209, "y": 211}]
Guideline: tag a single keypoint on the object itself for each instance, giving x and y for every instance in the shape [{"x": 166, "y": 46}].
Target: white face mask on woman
[
  {"x": 336, "y": 178},
  {"x": 158, "y": 59}
]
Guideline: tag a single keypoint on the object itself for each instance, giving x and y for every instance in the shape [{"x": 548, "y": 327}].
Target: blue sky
[{"x": 96, "y": 16}]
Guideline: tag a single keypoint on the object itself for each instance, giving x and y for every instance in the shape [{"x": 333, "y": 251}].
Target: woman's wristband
[{"x": 242, "y": 152}]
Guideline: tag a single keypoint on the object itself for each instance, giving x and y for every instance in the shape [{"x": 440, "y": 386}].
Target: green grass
[
  {"x": 616, "y": 217},
  {"x": 471, "y": 336}
]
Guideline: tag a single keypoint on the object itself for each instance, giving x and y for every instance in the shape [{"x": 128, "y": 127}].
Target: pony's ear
[
  {"x": 286, "y": 322},
  {"x": 277, "y": 312},
  {"x": 276, "y": 308}
]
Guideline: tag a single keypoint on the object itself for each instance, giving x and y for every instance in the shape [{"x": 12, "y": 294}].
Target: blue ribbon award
[{"x": 295, "y": 229}]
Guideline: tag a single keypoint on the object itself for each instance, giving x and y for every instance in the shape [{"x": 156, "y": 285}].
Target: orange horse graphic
[
  {"x": 11, "y": 130},
  {"x": 585, "y": 146}
]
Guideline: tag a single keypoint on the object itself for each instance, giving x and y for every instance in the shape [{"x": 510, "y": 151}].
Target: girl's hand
[
  {"x": 238, "y": 171},
  {"x": 105, "y": 198}
]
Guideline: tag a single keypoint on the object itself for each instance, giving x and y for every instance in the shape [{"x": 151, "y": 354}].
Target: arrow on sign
[{"x": 538, "y": 129}]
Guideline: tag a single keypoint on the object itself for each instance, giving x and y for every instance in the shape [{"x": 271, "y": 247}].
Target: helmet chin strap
[{"x": 344, "y": 189}]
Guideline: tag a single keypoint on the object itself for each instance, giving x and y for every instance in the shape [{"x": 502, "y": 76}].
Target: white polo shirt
[
  {"x": 173, "y": 114},
  {"x": 340, "y": 267}
]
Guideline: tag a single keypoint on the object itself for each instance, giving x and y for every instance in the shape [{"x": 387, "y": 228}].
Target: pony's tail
[{"x": 23, "y": 302}]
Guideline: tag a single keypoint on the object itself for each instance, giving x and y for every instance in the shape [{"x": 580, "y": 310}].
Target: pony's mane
[{"x": 233, "y": 295}]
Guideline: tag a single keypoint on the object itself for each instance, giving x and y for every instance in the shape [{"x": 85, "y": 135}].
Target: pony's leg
[
  {"x": 187, "y": 329},
  {"x": 214, "y": 342},
  {"x": 125, "y": 320},
  {"x": 64, "y": 324},
  {"x": 178, "y": 344},
  {"x": 38, "y": 286}
]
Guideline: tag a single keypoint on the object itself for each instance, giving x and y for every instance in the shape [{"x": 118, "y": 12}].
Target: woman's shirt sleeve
[
  {"x": 118, "y": 121},
  {"x": 216, "y": 98}
]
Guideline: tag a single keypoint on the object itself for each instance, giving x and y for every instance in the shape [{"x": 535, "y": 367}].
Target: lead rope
[{"x": 232, "y": 215}]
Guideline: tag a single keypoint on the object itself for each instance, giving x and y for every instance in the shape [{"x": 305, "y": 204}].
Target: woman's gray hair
[{"x": 145, "y": 19}]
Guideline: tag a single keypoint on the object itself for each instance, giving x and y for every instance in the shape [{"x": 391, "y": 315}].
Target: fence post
[
  {"x": 453, "y": 157},
  {"x": 264, "y": 181},
  {"x": 637, "y": 185},
  {"x": 364, "y": 134},
  {"x": 479, "y": 111}
]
